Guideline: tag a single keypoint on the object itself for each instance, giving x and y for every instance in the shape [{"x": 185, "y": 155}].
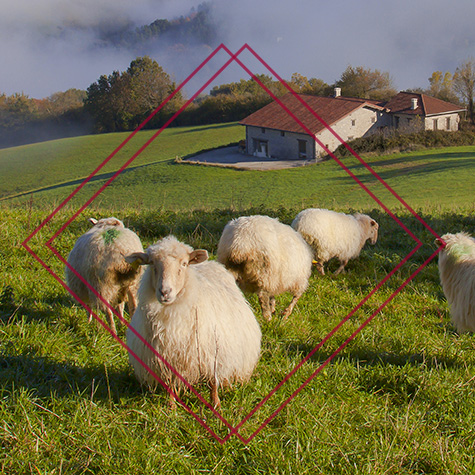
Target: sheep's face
[
  {"x": 168, "y": 268},
  {"x": 369, "y": 228},
  {"x": 373, "y": 227},
  {"x": 169, "y": 275}
]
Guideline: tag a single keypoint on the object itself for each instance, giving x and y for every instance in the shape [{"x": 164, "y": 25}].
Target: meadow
[{"x": 390, "y": 392}]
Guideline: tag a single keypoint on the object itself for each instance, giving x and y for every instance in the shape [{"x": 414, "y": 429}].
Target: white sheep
[
  {"x": 99, "y": 257},
  {"x": 266, "y": 257},
  {"x": 194, "y": 315},
  {"x": 457, "y": 276},
  {"x": 332, "y": 234}
]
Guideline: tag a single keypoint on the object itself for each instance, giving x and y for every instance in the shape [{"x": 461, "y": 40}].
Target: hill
[
  {"x": 389, "y": 391},
  {"x": 54, "y": 169}
]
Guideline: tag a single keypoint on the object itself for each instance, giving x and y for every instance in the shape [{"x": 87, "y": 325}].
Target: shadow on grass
[
  {"x": 414, "y": 169},
  {"x": 44, "y": 376},
  {"x": 201, "y": 129}
]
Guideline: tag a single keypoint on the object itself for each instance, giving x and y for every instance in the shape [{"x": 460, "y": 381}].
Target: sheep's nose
[{"x": 165, "y": 294}]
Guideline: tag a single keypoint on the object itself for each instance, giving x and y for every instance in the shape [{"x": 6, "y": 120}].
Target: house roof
[
  {"x": 328, "y": 109},
  {"x": 426, "y": 105}
]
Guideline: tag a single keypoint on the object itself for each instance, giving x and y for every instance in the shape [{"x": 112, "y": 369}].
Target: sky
[{"x": 48, "y": 46}]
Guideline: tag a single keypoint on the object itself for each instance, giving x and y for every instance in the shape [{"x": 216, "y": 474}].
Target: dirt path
[{"x": 231, "y": 157}]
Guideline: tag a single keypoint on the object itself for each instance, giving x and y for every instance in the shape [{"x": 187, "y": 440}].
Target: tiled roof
[
  {"x": 329, "y": 109},
  {"x": 426, "y": 105}
]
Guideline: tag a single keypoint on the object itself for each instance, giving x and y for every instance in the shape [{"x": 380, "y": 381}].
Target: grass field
[{"x": 397, "y": 399}]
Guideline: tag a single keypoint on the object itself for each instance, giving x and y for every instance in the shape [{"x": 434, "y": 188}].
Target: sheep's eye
[{"x": 184, "y": 264}]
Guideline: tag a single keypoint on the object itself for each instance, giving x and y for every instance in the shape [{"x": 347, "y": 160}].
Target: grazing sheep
[
  {"x": 332, "y": 234},
  {"x": 194, "y": 315},
  {"x": 267, "y": 258},
  {"x": 457, "y": 275},
  {"x": 99, "y": 257}
]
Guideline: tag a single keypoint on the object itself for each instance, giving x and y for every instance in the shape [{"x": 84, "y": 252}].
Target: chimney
[
  {"x": 414, "y": 103},
  {"x": 337, "y": 92}
]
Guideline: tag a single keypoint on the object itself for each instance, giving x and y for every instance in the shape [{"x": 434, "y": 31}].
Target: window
[
  {"x": 353, "y": 122},
  {"x": 282, "y": 133},
  {"x": 435, "y": 124},
  {"x": 263, "y": 131},
  {"x": 396, "y": 122},
  {"x": 447, "y": 123}
]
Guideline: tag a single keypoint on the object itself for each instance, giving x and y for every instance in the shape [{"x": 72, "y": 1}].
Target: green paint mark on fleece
[
  {"x": 457, "y": 251},
  {"x": 110, "y": 236}
]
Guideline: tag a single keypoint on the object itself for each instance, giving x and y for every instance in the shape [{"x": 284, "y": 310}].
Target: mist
[
  {"x": 409, "y": 39},
  {"x": 58, "y": 45}
]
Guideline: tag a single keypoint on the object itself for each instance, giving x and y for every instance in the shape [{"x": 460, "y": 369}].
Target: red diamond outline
[{"x": 235, "y": 430}]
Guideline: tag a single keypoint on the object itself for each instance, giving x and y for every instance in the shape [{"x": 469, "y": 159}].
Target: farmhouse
[
  {"x": 306, "y": 127},
  {"x": 421, "y": 112}
]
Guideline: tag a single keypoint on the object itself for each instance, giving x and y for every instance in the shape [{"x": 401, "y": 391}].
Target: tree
[
  {"x": 149, "y": 86},
  {"x": 121, "y": 101},
  {"x": 107, "y": 102},
  {"x": 17, "y": 110},
  {"x": 442, "y": 86},
  {"x": 366, "y": 83},
  {"x": 314, "y": 86},
  {"x": 464, "y": 85},
  {"x": 250, "y": 87}
]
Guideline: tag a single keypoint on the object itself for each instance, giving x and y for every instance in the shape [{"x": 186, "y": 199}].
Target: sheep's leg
[
  {"x": 265, "y": 302},
  {"x": 120, "y": 309},
  {"x": 111, "y": 319},
  {"x": 172, "y": 399},
  {"x": 319, "y": 266},
  {"x": 272, "y": 304},
  {"x": 131, "y": 302},
  {"x": 291, "y": 306},
  {"x": 342, "y": 267},
  {"x": 216, "y": 403}
]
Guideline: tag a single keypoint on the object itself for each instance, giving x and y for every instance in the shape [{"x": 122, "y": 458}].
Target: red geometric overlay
[{"x": 234, "y": 58}]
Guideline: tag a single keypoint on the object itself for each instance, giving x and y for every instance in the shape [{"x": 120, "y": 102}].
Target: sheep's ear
[
  {"x": 373, "y": 223},
  {"x": 114, "y": 222},
  {"x": 93, "y": 221},
  {"x": 138, "y": 259},
  {"x": 197, "y": 256},
  {"x": 440, "y": 242}
]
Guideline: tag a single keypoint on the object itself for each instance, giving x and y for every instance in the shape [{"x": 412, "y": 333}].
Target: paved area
[{"x": 231, "y": 157}]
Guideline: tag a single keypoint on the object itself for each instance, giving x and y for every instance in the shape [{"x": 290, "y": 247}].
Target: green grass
[
  {"x": 177, "y": 187},
  {"x": 398, "y": 399},
  {"x": 59, "y": 162}
]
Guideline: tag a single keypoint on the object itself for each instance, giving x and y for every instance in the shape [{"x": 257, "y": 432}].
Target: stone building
[{"x": 299, "y": 126}]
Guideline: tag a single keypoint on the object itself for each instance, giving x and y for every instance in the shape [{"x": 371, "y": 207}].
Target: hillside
[
  {"x": 60, "y": 162},
  {"x": 54, "y": 169},
  {"x": 389, "y": 391}
]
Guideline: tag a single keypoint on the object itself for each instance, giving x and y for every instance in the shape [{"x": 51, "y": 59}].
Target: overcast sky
[{"x": 41, "y": 54}]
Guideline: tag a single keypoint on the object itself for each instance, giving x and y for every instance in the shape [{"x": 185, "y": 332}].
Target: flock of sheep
[{"x": 190, "y": 320}]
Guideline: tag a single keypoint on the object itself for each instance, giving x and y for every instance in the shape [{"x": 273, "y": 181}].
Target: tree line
[{"x": 120, "y": 101}]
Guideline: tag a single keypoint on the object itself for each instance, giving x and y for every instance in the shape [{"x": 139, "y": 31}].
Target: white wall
[{"x": 360, "y": 123}]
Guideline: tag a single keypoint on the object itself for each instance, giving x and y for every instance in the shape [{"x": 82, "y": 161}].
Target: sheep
[
  {"x": 266, "y": 257},
  {"x": 99, "y": 257},
  {"x": 332, "y": 234},
  {"x": 194, "y": 315},
  {"x": 457, "y": 276}
]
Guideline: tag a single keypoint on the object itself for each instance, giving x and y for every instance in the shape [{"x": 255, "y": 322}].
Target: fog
[{"x": 55, "y": 44}]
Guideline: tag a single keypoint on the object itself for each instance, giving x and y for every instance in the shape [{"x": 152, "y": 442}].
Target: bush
[{"x": 395, "y": 142}]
